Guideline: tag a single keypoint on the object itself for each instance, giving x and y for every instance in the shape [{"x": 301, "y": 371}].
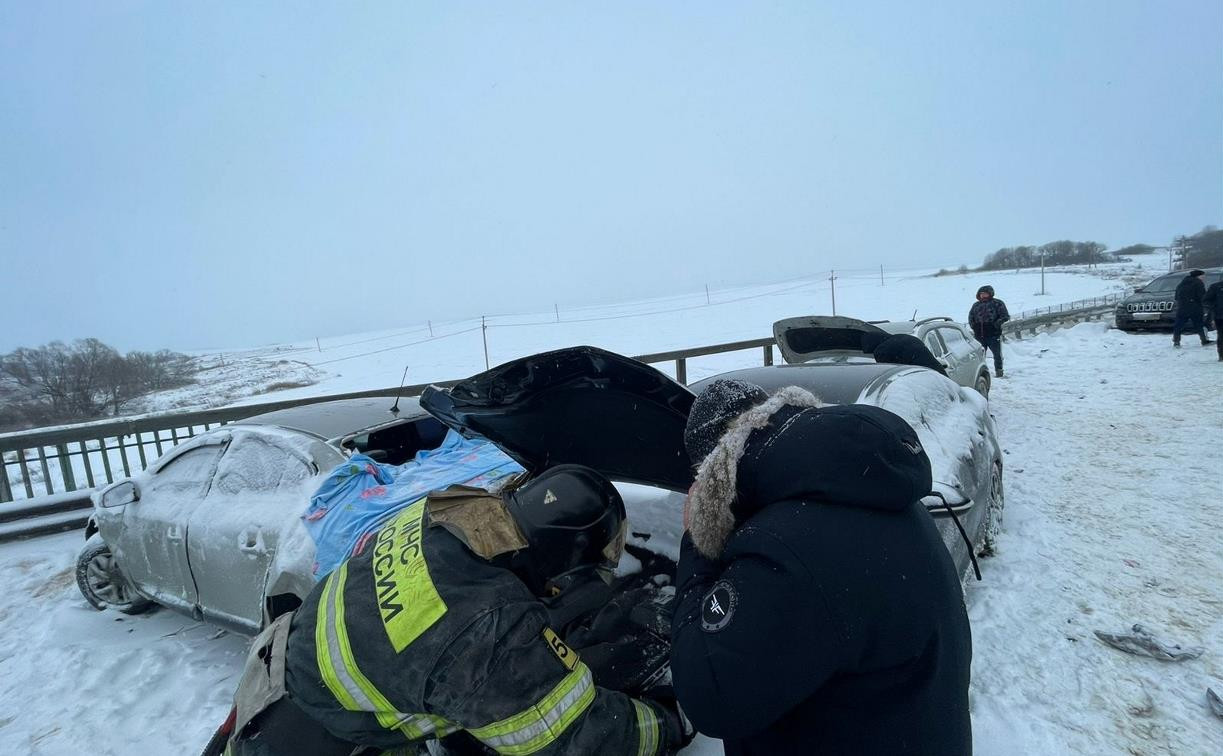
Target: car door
[
  {"x": 962, "y": 367},
  {"x": 260, "y": 488},
  {"x": 152, "y": 545},
  {"x": 934, "y": 342}
]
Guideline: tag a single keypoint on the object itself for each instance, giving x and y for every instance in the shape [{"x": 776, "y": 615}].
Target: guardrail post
[
  {"x": 681, "y": 371},
  {"x": 6, "y": 488},
  {"x": 84, "y": 447},
  {"x": 46, "y": 471},
  {"x": 110, "y": 477},
  {"x": 768, "y": 354},
  {"x": 65, "y": 467},
  {"x": 25, "y": 474}
]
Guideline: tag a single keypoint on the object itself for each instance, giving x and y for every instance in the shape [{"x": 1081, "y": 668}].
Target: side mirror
[
  {"x": 1140, "y": 289},
  {"x": 958, "y": 502},
  {"x": 121, "y": 493}
]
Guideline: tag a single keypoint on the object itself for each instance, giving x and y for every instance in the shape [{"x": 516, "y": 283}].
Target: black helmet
[{"x": 572, "y": 518}]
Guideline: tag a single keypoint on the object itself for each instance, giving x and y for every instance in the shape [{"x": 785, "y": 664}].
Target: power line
[{"x": 392, "y": 348}]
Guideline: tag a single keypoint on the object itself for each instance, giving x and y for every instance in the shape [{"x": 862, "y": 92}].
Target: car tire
[
  {"x": 983, "y": 384},
  {"x": 102, "y": 584},
  {"x": 992, "y": 526}
]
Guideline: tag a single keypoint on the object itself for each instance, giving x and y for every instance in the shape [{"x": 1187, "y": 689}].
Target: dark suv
[{"x": 1154, "y": 305}]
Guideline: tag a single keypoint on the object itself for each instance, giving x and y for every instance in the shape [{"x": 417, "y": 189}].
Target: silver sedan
[{"x": 213, "y": 528}]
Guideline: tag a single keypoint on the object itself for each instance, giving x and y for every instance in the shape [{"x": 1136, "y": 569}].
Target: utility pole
[
  {"x": 706, "y": 293},
  {"x": 484, "y": 334},
  {"x": 881, "y": 283},
  {"x": 317, "y": 344},
  {"x": 1042, "y": 273},
  {"x": 832, "y": 281},
  {"x": 557, "y": 308},
  {"x": 430, "y": 324},
  {"x": 1180, "y": 246}
]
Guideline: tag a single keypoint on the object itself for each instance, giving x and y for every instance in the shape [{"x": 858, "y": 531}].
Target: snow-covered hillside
[
  {"x": 1114, "y": 505},
  {"x": 373, "y": 360}
]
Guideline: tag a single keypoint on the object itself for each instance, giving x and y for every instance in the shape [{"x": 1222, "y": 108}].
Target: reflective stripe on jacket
[{"x": 416, "y": 637}]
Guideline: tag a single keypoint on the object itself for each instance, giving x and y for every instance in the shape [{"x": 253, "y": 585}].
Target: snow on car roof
[{"x": 341, "y": 417}]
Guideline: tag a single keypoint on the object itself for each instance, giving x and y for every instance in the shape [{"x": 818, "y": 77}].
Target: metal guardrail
[
  {"x": 106, "y": 448},
  {"x": 89, "y": 455},
  {"x": 1084, "y": 311},
  {"x": 1070, "y": 307},
  {"x": 46, "y": 514}
]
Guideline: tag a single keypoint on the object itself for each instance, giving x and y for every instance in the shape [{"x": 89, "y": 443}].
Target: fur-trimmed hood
[{"x": 791, "y": 447}]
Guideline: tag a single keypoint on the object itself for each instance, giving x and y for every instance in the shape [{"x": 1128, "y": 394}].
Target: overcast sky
[{"x": 219, "y": 175}]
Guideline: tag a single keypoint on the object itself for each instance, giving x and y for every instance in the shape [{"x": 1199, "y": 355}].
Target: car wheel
[
  {"x": 983, "y": 384},
  {"x": 101, "y": 582},
  {"x": 993, "y": 515}
]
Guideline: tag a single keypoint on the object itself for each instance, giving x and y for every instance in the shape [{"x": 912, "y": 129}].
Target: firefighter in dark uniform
[{"x": 437, "y": 630}]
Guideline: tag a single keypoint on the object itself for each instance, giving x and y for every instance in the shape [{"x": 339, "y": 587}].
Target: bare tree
[{"x": 57, "y": 382}]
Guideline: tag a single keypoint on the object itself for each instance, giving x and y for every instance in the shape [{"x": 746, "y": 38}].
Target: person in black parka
[
  {"x": 1214, "y": 301},
  {"x": 1190, "y": 293},
  {"x": 818, "y": 611}
]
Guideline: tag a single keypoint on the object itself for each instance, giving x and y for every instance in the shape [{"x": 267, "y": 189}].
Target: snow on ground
[
  {"x": 1114, "y": 517},
  {"x": 376, "y": 360},
  {"x": 1113, "y": 508}
]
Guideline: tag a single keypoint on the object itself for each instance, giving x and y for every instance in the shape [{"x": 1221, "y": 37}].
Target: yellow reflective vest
[{"x": 416, "y": 637}]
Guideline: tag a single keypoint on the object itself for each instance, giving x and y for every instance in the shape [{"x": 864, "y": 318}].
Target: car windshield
[{"x": 1167, "y": 283}]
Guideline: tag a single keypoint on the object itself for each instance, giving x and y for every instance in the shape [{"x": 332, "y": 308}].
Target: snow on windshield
[{"x": 944, "y": 415}]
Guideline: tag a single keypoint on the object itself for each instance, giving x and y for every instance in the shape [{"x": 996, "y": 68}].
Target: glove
[{"x": 679, "y": 731}]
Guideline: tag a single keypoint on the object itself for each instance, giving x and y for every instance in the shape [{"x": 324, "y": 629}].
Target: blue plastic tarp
[{"x": 360, "y": 495}]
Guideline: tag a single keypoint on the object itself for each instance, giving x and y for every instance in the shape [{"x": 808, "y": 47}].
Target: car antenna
[
  {"x": 914, "y": 318},
  {"x": 395, "y": 406}
]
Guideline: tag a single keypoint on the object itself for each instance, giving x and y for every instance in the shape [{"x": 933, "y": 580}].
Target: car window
[
  {"x": 956, "y": 343},
  {"x": 188, "y": 471},
  {"x": 252, "y": 465},
  {"x": 1167, "y": 283},
  {"x": 935, "y": 344}
]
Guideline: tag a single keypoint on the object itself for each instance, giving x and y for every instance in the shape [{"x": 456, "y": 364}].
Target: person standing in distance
[
  {"x": 1190, "y": 293},
  {"x": 1214, "y": 300},
  {"x": 986, "y": 318}
]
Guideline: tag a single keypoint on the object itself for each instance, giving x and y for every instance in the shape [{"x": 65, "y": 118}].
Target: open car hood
[
  {"x": 801, "y": 339},
  {"x": 580, "y": 405}
]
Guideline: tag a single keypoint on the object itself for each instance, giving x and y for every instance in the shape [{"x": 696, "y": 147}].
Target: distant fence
[
  {"x": 1070, "y": 307},
  {"x": 1044, "y": 318},
  {"x": 45, "y": 462}
]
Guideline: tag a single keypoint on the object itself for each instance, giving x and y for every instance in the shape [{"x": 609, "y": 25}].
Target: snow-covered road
[{"x": 1114, "y": 516}]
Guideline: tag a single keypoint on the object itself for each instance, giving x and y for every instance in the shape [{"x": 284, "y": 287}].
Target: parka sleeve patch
[
  {"x": 718, "y": 606},
  {"x": 567, "y": 655}
]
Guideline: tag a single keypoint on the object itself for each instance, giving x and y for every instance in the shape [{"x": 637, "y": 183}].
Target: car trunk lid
[
  {"x": 804, "y": 338},
  {"x": 580, "y": 405}
]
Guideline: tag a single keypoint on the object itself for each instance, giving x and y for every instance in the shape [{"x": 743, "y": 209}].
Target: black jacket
[
  {"x": 1190, "y": 292},
  {"x": 906, "y": 349},
  {"x": 986, "y": 318},
  {"x": 417, "y": 637},
  {"x": 832, "y": 620},
  {"x": 1214, "y": 300}
]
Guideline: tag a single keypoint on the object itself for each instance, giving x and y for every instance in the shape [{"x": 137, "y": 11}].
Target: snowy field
[
  {"x": 376, "y": 360},
  {"x": 1114, "y": 505}
]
